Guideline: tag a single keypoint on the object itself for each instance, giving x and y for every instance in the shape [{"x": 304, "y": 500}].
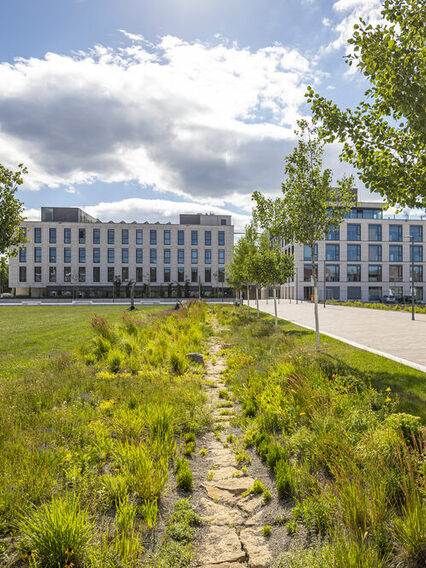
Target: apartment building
[
  {"x": 369, "y": 256},
  {"x": 69, "y": 251}
]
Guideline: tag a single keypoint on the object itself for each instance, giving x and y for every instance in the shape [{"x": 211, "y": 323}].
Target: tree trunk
[
  {"x": 257, "y": 300},
  {"x": 315, "y": 278},
  {"x": 248, "y": 299},
  {"x": 275, "y": 306}
]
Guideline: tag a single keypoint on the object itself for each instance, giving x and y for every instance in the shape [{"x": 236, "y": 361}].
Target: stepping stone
[
  {"x": 256, "y": 520},
  {"x": 255, "y": 544},
  {"x": 225, "y": 473},
  {"x": 221, "y": 545},
  {"x": 250, "y": 504},
  {"x": 219, "y": 515},
  {"x": 235, "y": 485},
  {"x": 223, "y": 460},
  {"x": 219, "y": 495},
  {"x": 224, "y": 565}
]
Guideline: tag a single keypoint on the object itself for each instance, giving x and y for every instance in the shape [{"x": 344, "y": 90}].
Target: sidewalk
[{"x": 392, "y": 334}]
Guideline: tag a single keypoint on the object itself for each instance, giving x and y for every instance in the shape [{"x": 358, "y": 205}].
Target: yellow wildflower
[
  {"x": 388, "y": 389},
  {"x": 388, "y": 400}
]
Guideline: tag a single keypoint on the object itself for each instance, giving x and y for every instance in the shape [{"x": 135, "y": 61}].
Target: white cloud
[{"x": 326, "y": 22}]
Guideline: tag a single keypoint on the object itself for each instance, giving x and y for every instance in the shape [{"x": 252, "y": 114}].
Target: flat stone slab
[
  {"x": 221, "y": 545},
  {"x": 235, "y": 485},
  {"x": 225, "y": 473},
  {"x": 219, "y": 515},
  {"x": 219, "y": 495},
  {"x": 250, "y": 504},
  {"x": 255, "y": 544},
  {"x": 223, "y": 460},
  {"x": 224, "y": 565}
]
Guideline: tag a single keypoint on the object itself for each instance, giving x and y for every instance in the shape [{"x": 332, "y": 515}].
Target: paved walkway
[{"x": 392, "y": 334}]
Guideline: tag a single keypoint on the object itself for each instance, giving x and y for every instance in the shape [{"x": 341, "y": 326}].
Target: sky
[{"x": 141, "y": 110}]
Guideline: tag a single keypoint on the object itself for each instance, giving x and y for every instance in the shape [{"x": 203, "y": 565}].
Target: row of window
[
  {"x": 332, "y": 252},
  {"x": 112, "y": 276},
  {"x": 375, "y": 233},
  {"x": 374, "y": 292},
  {"x": 96, "y": 236},
  {"x": 96, "y": 255},
  {"x": 353, "y": 273}
]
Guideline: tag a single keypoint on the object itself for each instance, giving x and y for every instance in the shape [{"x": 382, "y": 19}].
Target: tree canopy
[{"x": 11, "y": 210}]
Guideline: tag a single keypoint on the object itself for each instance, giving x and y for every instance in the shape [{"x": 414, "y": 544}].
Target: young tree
[
  {"x": 4, "y": 274},
  {"x": 240, "y": 268},
  {"x": 385, "y": 136},
  {"x": 11, "y": 210},
  {"x": 310, "y": 205}
]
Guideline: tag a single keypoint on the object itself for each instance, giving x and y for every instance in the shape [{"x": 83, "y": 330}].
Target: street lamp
[{"x": 412, "y": 276}]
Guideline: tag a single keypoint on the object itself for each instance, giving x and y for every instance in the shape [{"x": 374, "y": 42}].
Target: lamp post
[
  {"x": 412, "y": 276},
  {"x": 297, "y": 286},
  {"x": 325, "y": 288}
]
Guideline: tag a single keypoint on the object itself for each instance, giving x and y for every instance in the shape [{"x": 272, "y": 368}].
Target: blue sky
[{"x": 139, "y": 110}]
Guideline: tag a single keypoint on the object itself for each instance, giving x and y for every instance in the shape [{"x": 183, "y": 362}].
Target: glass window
[
  {"x": 52, "y": 239},
  {"x": 37, "y": 235},
  {"x": 223, "y": 221},
  {"x": 208, "y": 275},
  {"x": 67, "y": 273},
  {"x": 208, "y": 238},
  {"x": 22, "y": 274},
  {"x": 23, "y": 254},
  {"x": 124, "y": 236},
  {"x": 221, "y": 256},
  {"x": 111, "y": 236},
  {"x": 416, "y": 253},
  {"x": 82, "y": 236},
  {"x": 416, "y": 231},
  {"x": 82, "y": 274},
  {"x": 181, "y": 275},
  {"x": 139, "y": 274},
  {"x": 110, "y": 255},
  {"x": 396, "y": 291},
  {"x": 194, "y": 275},
  {"x": 81, "y": 255},
  {"x": 333, "y": 234},
  {"x": 139, "y": 256},
  {"x": 110, "y": 274},
  {"x": 374, "y": 232},
  {"x": 96, "y": 274},
  {"x": 374, "y": 272},
  {"x": 418, "y": 293},
  {"x": 207, "y": 256},
  {"x": 37, "y": 273},
  {"x": 124, "y": 255},
  {"x": 124, "y": 273},
  {"x": 52, "y": 254},
  {"x": 221, "y": 238},
  {"x": 395, "y": 253},
  {"x": 307, "y": 252},
  {"x": 167, "y": 274},
  {"x": 67, "y": 236},
  {"x": 332, "y": 252},
  {"x": 395, "y": 233},
  {"x": 194, "y": 238},
  {"x": 181, "y": 237},
  {"x": 52, "y": 273},
  {"x": 153, "y": 256},
  {"x": 395, "y": 273},
  {"x": 153, "y": 237},
  {"x": 167, "y": 240},
  {"x": 374, "y": 293},
  {"x": 332, "y": 273},
  {"x": 194, "y": 256},
  {"x": 307, "y": 272},
  {"x": 37, "y": 254},
  {"x": 375, "y": 253},
  {"x": 354, "y": 232},
  {"x": 181, "y": 256},
  {"x": 153, "y": 274},
  {"x": 97, "y": 254},
  {"x": 139, "y": 236},
  {"x": 67, "y": 254},
  {"x": 416, "y": 273},
  {"x": 167, "y": 256},
  {"x": 354, "y": 252},
  {"x": 354, "y": 273},
  {"x": 96, "y": 236},
  {"x": 221, "y": 275},
  {"x": 354, "y": 292},
  {"x": 332, "y": 292}
]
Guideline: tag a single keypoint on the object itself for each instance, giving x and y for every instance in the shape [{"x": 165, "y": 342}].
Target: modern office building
[
  {"x": 369, "y": 256},
  {"x": 70, "y": 252}
]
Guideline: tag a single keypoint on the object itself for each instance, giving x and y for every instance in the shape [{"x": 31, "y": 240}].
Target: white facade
[{"x": 88, "y": 255}]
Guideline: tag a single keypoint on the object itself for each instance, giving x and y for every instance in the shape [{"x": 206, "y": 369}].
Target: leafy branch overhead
[
  {"x": 11, "y": 210},
  {"x": 385, "y": 136}
]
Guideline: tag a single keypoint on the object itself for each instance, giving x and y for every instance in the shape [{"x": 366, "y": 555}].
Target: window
[
  {"x": 332, "y": 252},
  {"x": 207, "y": 256},
  {"x": 111, "y": 236},
  {"x": 307, "y": 272},
  {"x": 374, "y": 293},
  {"x": 354, "y": 292},
  {"x": 153, "y": 274},
  {"x": 354, "y": 273},
  {"x": 307, "y": 252},
  {"x": 96, "y": 236},
  {"x": 396, "y": 291},
  {"x": 139, "y": 274},
  {"x": 416, "y": 253},
  {"x": 221, "y": 238},
  {"x": 223, "y": 221},
  {"x": 37, "y": 273},
  {"x": 354, "y": 232},
  {"x": 395, "y": 233},
  {"x": 67, "y": 254},
  {"x": 221, "y": 275},
  {"x": 332, "y": 273},
  {"x": 67, "y": 273},
  {"x": 139, "y": 236},
  {"x": 37, "y": 235},
  {"x": 181, "y": 256},
  {"x": 124, "y": 273},
  {"x": 208, "y": 275},
  {"x": 139, "y": 256},
  {"x": 153, "y": 256},
  {"x": 395, "y": 273},
  {"x": 153, "y": 237},
  {"x": 333, "y": 234},
  {"x": 82, "y": 236},
  {"x": 221, "y": 256},
  {"x": 124, "y": 255},
  {"x": 52, "y": 254},
  {"x": 416, "y": 273},
  {"x": 81, "y": 255},
  {"x": 110, "y": 253},
  {"x": 96, "y": 255},
  {"x": 194, "y": 238},
  {"x": 52, "y": 238},
  {"x": 167, "y": 274},
  {"x": 22, "y": 274},
  {"x": 208, "y": 238},
  {"x": 395, "y": 253},
  {"x": 110, "y": 274},
  {"x": 167, "y": 240},
  {"x": 181, "y": 275},
  {"x": 82, "y": 274},
  {"x": 418, "y": 293},
  {"x": 416, "y": 231},
  {"x": 194, "y": 275},
  {"x": 37, "y": 254},
  {"x": 354, "y": 252},
  {"x": 181, "y": 237},
  {"x": 167, "y": 256},
  {"x": 194, "y": 256},
  {"x": 332, "y": 292},
  {"x": 375, "y": 253},
  {"x": 96, "y": 274},
  {"x": 23, "y": 254},
  {"x": 67, "y": 236},
  {"x": 374, "y": 232},
  {"x": 52, "y": 273},
  {"x": 374, "y": 272}
]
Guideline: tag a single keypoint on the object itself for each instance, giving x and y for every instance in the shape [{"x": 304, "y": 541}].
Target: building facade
[
  {"x": 70, "y": 252},
  {"x": 368, "y": 257}
]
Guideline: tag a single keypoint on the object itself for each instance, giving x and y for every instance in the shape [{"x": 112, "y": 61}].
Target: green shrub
[
  {"x": 409, "y": 425},
  {"x": 149, "y": 511},
  {"x": 267, "y": 497},
  {"x": 409, "y": 531},
  {"x": 182, "y": 522},
  {"x": 257, "y": 487},
  {"x": 223, "y": 393},
  {"x": 115, "y": 361},
  {"x": 266, "y": 530},
  {"x": 291, "y": 527},
  {"x": 184, "y": 478},
  {"x": 179, "y": 363},
  {"x": 316, "y": 512},
  {"x": 286, "y": 479}
]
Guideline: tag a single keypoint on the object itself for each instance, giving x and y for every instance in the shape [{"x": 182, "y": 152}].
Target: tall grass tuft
[{"x": 410, "y": 533}]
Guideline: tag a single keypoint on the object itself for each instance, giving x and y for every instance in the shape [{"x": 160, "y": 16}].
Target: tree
[
  {"x": 11, "y": 210},
  {"x": 4, "y": 274},
  {"x": 239, "y": 270},
  {"x": 385, "y": 136},
  {"x": 310, "y": 205}
]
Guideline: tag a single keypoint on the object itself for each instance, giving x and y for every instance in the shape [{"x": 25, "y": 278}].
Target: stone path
[{"x": 233, "y": 534}]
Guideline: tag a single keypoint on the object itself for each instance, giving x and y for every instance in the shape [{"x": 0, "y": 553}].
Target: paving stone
[
  {"x": 255, "y": 544},
  {"x": 221, "y": 545},
  {"x": 225, "y": 473},
  {"x": 250, "y": 504},
  {"x": 255, "y": 520},
  {"x": 236, "y": 485},
  {"x": 217, "y": 514},
  {"x": 223, "y": 565},
  {"x": 219, "y": 495}
]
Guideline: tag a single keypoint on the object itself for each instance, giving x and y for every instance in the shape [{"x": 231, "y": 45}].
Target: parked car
[
  {"x": 6, "y": 295},
  {"x": 388, "y": 299}
]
